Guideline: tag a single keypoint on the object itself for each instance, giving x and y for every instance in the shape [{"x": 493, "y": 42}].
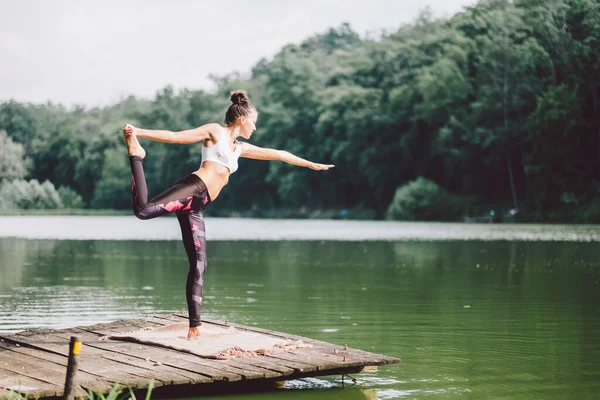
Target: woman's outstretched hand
[
  {"x": 320, "y": 167},
  {"x": 129, "y": 130}
]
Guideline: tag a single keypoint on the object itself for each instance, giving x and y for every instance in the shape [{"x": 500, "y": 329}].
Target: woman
[{"x": 189, "y": 196}]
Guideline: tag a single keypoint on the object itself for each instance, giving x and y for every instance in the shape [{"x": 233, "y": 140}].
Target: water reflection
[
  {"x": 468, "y": 318},
  {"x": 67, "y": 306}
]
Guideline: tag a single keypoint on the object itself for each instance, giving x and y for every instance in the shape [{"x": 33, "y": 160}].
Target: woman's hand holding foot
[{"x": 134, "y": 148}]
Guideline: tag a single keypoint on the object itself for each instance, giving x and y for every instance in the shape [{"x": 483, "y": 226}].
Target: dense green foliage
[
  {"x": 12, "y": 162},
  {"x": 500, "y": 103},
  {"x": 423, "y": 199},
  {"x": 26, "y": 195}
]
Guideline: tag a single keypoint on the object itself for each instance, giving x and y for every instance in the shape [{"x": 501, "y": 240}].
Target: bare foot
[
  {"x": 193, "y": 332},
  {"x": 134, "y": 148}
]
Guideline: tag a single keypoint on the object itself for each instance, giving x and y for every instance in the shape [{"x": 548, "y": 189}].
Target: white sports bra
[{"x": 220, "y": 153}]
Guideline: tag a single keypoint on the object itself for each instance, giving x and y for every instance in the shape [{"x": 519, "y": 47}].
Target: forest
[{"x": 491, "y": 114}]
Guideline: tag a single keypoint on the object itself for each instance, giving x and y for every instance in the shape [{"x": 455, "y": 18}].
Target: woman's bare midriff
[{"x": 215, "y": 177}]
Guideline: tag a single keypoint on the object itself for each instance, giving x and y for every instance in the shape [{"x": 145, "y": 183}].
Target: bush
[
  {"x": 69, "y": 197},
  {"x": 27, "y": 195},
  {"x": 13, "y": 164},
  {"x": 423, "y": 199}
]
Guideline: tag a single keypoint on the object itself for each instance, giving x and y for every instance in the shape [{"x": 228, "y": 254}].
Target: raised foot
[
  {"x": 193, "y": 332},
  {"x": 134, "y": 148}
]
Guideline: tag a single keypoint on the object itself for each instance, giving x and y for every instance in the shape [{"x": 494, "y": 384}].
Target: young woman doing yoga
[{"x": 189, "y": 196}]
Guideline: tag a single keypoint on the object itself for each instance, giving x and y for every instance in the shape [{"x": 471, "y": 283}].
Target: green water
[{"x": 469, "y": 319}]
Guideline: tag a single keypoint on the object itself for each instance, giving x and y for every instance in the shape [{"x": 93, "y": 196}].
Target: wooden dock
[{"x": 34, "y": 362}]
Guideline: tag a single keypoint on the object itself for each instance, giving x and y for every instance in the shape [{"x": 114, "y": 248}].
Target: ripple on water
[{"x": 60, "y": 307}]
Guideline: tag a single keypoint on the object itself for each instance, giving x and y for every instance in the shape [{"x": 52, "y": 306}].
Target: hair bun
[{"x": 239, "y": 96}]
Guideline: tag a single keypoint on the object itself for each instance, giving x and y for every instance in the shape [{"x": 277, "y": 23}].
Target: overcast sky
[{"x": 97, "y": 52}]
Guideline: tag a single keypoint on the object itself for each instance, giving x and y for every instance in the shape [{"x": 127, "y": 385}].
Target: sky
[{"x": 95, "y": 53}]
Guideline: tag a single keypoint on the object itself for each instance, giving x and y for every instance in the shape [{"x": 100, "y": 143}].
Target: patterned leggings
[{"x": 187, "y": 198}]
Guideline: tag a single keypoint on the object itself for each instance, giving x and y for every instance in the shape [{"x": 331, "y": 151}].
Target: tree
[
  {"x": 113, "y": 189},
  {"x": 501, "y": 103},
  {"x": 17, "y": 121},
  {"x": 13, "y": 164}
]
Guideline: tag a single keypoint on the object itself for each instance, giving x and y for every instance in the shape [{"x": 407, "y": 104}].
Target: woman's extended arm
[
  {"x": 182, "y": 137},
  {"x": 259, "y": 153}
]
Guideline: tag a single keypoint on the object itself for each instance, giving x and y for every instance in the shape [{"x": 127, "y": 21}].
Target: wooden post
[{"x": 74, "y": 349}]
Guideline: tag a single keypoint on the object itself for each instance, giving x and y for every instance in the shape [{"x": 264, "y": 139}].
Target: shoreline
[{"x": 120, "y": 227}]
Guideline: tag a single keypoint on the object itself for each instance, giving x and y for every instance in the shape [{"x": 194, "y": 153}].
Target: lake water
[{"x": 511, "y": 313}]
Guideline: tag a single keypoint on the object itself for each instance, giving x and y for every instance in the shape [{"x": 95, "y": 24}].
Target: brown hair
[{"x": 240, "y": 106}]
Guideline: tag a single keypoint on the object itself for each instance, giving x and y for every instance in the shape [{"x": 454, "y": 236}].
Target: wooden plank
[
  {"x": 41, "y": 355},
  {"x": 376, "y": 359},
  {"x": 118, "y": 368},
  {"x": 379, "y": 359},
  {"x": 298, "y": 367},
  {"x": 286, "y": 364},
  {"x": 329, "y": 372},
  {"x": 348, "y": 357},
  {"x": 372, "y": 358},
  {"x": 262, "y": 362},
  {"x": 310, "y": 363},
  {"x": 51, "y": 362},
  {"x": 141, "y": 366},
  {"x": 19, "y": 383},
  {"x": 243, "y": 367},
  {"x": 325, "y": 360},
  {"x": 246, "y": 370},
  {"x": 33, "y": 332},
  {"x": 265, "y": 331},
  {"x": 39, "y": 342},
  {"x": 11, "y": 362},
  {"x": 57, "y": 364},
  {"x": 172, "y": 358},
  {"x": 283, "y": 367},
  {"x": 323, "y": 356},
  {"x": 327, "y": 357},
  {"x": 210, "y": 369},
  {"x": 12, "y": 371}
]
